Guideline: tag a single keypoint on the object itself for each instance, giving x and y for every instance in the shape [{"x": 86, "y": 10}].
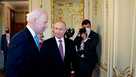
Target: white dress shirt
[
  {"x": 8, "y": 38},
  {"x": 31, "y": 31},
  {"x": 63, "y": 44}
]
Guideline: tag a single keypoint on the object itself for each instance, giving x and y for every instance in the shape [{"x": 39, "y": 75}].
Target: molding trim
[
  {"x": 115, "y": 25},
  {"x": 30, "y": 5},
  {"x": 125, "y": 73},
  {"x": 133, "y": 37},
  {"x": 86, "y": 9}
]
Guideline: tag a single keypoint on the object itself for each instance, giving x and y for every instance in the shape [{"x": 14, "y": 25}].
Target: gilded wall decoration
[{"x": 70, "y": 11}]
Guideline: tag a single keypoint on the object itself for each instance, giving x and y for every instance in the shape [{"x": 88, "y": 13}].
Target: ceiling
[
  {"x": 17, "y": 4},
  {"x": 14, "y": 0}
]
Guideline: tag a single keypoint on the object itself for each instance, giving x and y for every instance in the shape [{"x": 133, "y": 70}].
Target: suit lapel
[
  {"x": 30, "y": 39},
  {"x": 55, "y": 43},
  {"x": 5, "y": 39},
  {"x": 66, "y": 47},
  {"x": 90, "y": 34},
  {"x": 65, "y": 42},
  {"x": 56, "y": 48}
]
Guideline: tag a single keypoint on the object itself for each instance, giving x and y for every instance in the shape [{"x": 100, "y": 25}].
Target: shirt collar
[
  {"x": 57, "y": 39},
  {"x": 31, "y": 31}
]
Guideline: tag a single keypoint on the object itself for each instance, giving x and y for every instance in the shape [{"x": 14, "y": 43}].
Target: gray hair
[{"x": 35, "y": 14}]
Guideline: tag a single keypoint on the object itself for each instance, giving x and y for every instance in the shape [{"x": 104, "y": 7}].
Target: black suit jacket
[
  {"x": 4, "y": 47},
  {"x": 90, "y": 47},
  {"x": 4, "y": 42},
  {"x": 22, "y": 56},
  {"x": 52, "y": 64}
]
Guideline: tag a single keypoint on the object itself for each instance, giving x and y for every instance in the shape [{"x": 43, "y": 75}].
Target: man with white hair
[{"x": 23, "y": 52}]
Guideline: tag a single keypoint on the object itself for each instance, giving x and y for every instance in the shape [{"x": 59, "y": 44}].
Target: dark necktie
[{"x": 61, "y": 49}]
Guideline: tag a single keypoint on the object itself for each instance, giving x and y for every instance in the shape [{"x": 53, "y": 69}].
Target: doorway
[{"x": 14, "y": 14}]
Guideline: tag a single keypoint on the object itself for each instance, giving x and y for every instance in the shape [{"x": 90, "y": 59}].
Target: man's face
[
  {"x": 41, "y": 23},
  {"x": 59, "y": 29},
  {"x": 86, "y": 26}
]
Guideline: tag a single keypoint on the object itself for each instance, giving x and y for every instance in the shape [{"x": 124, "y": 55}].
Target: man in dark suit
[
  {"x": 23, "y": 52},
  {"x": 58, "y": 55},
  {"x": 86, "y": 44},
  {"x": 5, "y": 39}
]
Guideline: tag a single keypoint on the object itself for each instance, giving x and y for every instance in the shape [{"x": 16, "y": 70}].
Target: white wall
[{"x": 115, "y": 21}]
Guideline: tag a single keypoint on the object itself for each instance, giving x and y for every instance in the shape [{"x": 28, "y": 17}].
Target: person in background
[
  {"x": 5, "y": 40},
  {"x": 58, "y": 54},
  {"x": 23, "y": 53},
  {"x": 86, "y": 45},
  {"x": 69, "y": 33}
]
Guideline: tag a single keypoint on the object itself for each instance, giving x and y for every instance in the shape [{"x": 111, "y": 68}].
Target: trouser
[{"x": 85, "y": 69}]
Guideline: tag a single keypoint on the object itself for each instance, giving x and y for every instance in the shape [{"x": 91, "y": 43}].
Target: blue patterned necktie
[
  {"x": 61, "y": 49},
  {"x": 36, "y": 39}
]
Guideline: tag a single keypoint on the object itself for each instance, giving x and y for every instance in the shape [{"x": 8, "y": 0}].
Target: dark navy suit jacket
[
  {"x": 52, "y": 64},
  {"x": 22, "y": 56}
]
